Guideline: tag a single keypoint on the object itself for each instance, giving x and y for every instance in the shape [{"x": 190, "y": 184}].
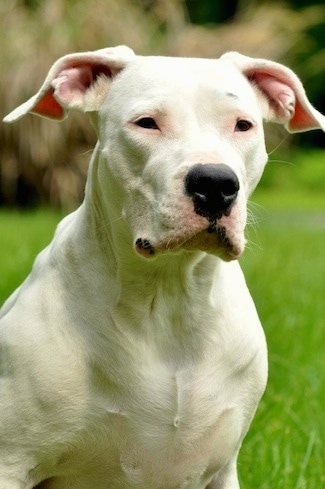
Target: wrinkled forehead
[{"x": 164, "y": 79}]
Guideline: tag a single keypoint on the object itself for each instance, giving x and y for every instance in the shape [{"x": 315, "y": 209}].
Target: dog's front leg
[{"x": 226, "y": 478}]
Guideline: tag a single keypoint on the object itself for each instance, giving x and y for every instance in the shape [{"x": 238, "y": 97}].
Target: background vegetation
[{"x": 44, "y": 162}]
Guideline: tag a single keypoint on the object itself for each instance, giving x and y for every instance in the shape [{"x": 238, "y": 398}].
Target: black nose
[{"x": 213, "y": 188}]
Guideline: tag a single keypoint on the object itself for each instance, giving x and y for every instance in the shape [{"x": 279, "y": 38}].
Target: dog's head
[{"x": 181, "y": 139}]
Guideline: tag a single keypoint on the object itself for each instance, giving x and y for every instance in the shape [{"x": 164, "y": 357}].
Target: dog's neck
[
  {"x": 164, "y": 273},
  {"x": 152, "y": 300}
]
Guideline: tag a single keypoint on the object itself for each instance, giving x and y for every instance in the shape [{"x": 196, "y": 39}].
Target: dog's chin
[{"x": 218, "y": 241}]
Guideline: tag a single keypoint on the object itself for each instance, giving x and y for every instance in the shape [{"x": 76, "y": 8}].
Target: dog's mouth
[{"x": 215, "y": 239}]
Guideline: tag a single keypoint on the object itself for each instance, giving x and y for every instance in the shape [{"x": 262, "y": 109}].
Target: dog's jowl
[{"x": 132, "y": 356}]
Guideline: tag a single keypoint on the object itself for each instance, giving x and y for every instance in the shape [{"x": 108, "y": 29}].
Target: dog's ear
[
  {"x": 284, "y": 91},
  {"x": 76, "y": 81}
]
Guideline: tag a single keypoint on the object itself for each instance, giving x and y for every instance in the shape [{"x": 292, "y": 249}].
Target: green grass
[
  {"x": 285, "y": 272},
  {"x": 294, "y": 181},
  {"x": 23, "y": 235},
  {"x": 284, "y": 265}
]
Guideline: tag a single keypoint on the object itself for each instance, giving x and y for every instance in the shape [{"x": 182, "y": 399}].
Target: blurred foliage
[
  {"x": 46, "y": 162},
  {"x": 295, "y": 183}
]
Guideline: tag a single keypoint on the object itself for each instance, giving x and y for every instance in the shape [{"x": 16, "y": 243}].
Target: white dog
[{"x": 132, "y": 356}]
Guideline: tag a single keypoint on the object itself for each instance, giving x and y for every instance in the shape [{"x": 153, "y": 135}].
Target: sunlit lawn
[
  {"x": 285, "y": 269},
  {"x": 22, "y": 236},
  {"x": 286, "y": 275}
]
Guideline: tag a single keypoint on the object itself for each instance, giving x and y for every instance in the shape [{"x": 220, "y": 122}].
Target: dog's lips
[
  {"x": 231, "y": 247},
  {"x": 217, "y": 240},
  {"x": 214, "y": 239},
  {"x": 144, "y": 247}
]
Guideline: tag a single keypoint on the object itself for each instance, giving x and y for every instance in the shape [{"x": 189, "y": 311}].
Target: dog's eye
[
  {"x": 147, "y": 123},
  {"x": 243, "y": 125}
]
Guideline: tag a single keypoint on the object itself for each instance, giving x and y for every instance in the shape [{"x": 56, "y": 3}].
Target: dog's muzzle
[{"x": 213, "y": 189}]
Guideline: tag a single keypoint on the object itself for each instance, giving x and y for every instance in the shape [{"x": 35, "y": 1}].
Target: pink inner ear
[
  {"x": 302, "y": 121},
  {"x": 70, "y": 86},
  {"x": 49, "y": 107},
  {"x": 72, "y": 83},
  {"x": 286, "y": 96},
  {"x": 280, "y": 95}
]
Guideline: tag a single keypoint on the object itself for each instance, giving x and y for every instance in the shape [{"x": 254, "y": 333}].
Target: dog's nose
[{"x": 213, "y": 188}]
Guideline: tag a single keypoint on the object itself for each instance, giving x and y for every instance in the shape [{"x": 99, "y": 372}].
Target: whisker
[
  {"x": 108, "y": 222},
  {"x": 87, "y": 152},
  {"x": 282, "y": 161},
  {"x": 280, "y": 143},
  {"x": 255, "y": 215},
  {"x": 252, "y": 246}
]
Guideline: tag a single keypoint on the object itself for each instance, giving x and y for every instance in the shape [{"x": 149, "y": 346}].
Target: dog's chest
[
  {"x": 166, "y": 414},
  {"x": 168, "y": 428}
]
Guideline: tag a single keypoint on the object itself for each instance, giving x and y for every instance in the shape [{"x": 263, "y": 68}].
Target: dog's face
[{"x": 183, "y": 140}]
